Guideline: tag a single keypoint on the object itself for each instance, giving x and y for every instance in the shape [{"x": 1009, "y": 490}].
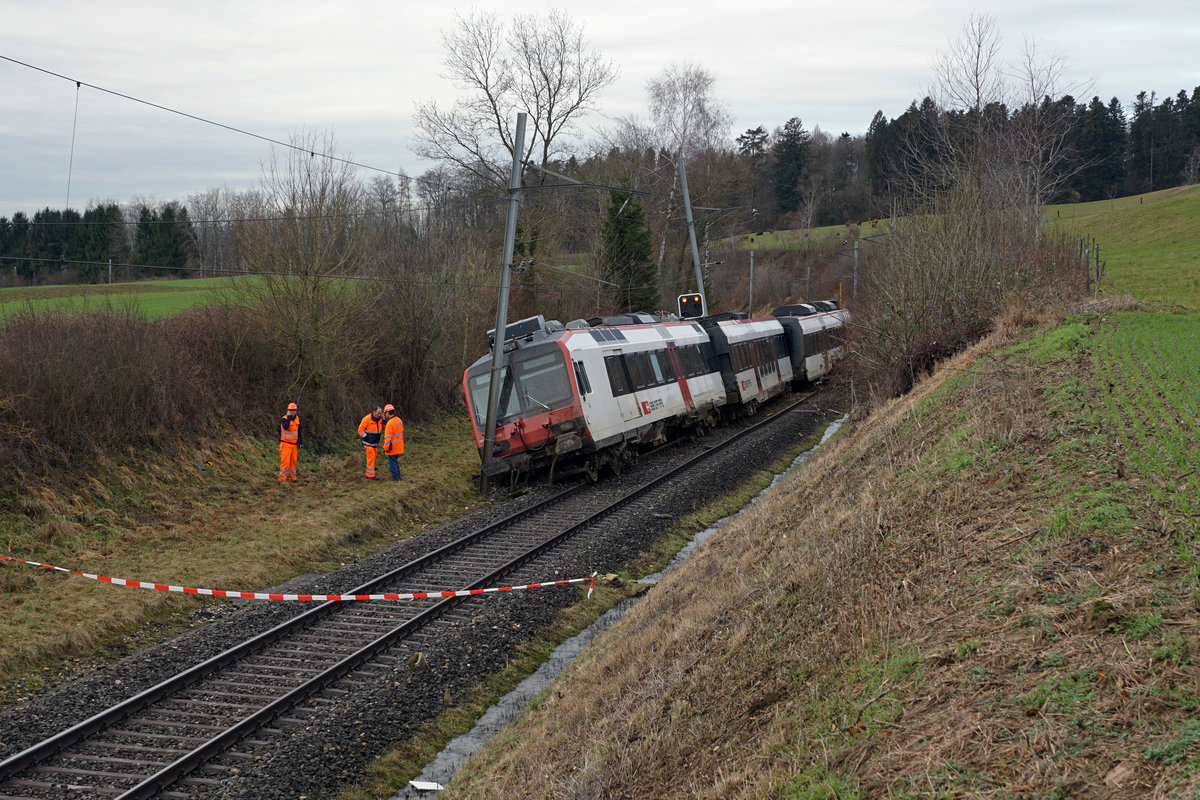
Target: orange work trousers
[
  {"x": 287, "y": 461},
  {"x": 371, "y": 453}
]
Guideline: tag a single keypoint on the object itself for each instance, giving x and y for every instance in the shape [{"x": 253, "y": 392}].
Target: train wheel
[
  {"x": 592, "y": 469},
  {"x": 617, "y": 459}
]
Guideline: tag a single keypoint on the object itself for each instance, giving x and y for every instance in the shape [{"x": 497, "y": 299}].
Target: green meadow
[
  {"x": 1150, "y": 244},
  {"x": 151, "y": 299}
]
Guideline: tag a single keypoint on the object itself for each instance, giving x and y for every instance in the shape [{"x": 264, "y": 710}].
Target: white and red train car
[{"x": 591, "y": 393}]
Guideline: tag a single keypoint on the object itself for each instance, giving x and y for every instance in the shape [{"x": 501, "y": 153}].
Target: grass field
[
  {"x": 1151, "y": 243},
  {"x": 228, "y": 526},
  {"x": 152, "y": 299}
]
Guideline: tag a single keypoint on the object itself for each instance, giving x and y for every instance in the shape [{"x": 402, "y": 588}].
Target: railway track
[{"x": 185, "y": 735}]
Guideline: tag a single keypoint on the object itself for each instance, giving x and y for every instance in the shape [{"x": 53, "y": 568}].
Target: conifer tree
[{"x": 624, "y": 257}]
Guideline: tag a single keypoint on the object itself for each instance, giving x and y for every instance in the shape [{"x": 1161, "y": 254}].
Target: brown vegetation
[{"x": 907, "y": 616}]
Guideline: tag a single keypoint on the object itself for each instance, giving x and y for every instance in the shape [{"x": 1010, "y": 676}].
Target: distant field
[
  {"x": 153, "y": 299},
  {"x": 1150, "y": 243}
]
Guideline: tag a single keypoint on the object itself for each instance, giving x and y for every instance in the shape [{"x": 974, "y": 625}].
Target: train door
[
  {"x": 622, "y": 385},
  {"x": 681, "y": 374},
  {"x": 761, "y": 394}
]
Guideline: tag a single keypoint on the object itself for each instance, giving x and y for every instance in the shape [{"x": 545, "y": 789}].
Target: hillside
[
  {"x": 1151, "y": 242},
  {"x": 987, "y": 589}
]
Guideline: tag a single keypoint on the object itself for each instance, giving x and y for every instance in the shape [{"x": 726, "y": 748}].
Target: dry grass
[
  {"x": 231, "y": 526},
  {"x": 947, "y": 602}
]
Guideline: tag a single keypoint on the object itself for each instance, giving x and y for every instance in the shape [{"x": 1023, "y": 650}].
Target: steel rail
[
  {"x": 54, "y": 744},
  {"x": 177, "y": 770}
]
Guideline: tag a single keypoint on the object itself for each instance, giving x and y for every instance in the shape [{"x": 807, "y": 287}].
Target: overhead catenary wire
[
  {"x": 71, "y": 161},
  {"x": 274, "y": 141},
  {"x": 198, "y": 118}
]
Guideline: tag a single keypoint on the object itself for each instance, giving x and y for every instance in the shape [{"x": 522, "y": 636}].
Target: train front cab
[{"x": 538, "y": 416}]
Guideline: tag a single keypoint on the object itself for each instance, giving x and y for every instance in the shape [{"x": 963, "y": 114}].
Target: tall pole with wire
[
  {"x": 510, "y": 238},
  {"x": 750, "y": 309},
  {"x": 691, "y": 225}
]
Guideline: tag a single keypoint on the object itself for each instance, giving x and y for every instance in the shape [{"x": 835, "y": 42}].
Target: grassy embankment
[
  {"x": 989, "y": 588},
  {"x": 1151, "y": 243},
  {"x": 231, "y": 526}
]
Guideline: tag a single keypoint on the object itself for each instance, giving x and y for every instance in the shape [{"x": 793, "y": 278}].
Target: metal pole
[
  {"x": 751, "y": 308},
  {"x": 110, "y": 270},
  {"x": 854, "y": 292},
  {"x": 691, "y": 225},
  {"x": 510, "y": 237}
]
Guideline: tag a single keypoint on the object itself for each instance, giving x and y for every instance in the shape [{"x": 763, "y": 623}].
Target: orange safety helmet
[
  {"x": 291, "y": 407},
  {"x": 389, "y": 407}
]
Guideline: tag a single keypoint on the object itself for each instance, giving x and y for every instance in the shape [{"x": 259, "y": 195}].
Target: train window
[
  {"x": 639, "y": 370},
  {"x": 506, "y": 408},
  {"x": 668, "y": 366},
  {"x": 743, "y": 357},
  {"x": 656, "y": 368},
  {"x": 766, "y": 356},
  {"x": 581, "y": 378},
  {"x": 544, "y": 382},
  {"x": 617, "y": 377}
]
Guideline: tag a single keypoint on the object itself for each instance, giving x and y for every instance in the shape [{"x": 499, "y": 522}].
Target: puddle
[{"x": 438, "y": 772}]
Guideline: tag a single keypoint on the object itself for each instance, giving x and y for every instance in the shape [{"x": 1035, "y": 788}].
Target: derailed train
[{"x": 589, "y": 394}]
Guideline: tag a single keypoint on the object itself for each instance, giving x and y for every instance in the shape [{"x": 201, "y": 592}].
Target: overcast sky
[{"x": 358, "y": 69}]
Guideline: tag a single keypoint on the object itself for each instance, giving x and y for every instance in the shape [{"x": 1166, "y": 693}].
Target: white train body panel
[
  {"x": 586, "y": 394},
  {"x": 759, "y": 363},
  {"x": 638, "y": 378},
  {"x": 820, "y": 349}
]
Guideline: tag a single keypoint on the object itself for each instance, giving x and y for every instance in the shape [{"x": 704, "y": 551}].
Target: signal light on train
[{"x": 691, "y": 306}]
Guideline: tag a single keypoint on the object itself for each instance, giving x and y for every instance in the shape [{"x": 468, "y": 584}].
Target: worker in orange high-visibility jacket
[
  {"x": 290, "y": 440},
  {"x": 393, "y": 439},
  {"x": 370, "y": 431}
]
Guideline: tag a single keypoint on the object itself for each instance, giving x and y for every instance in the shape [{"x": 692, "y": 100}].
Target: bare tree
[
  {"x": 983, "y": 154},
  {"x": 543, "y": 66},
  {"x": 686, "y": 118},
  {"x": 304, "y": 250}
]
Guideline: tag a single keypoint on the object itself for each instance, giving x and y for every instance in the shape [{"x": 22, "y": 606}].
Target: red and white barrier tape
[{"x": 591, "y": 581}]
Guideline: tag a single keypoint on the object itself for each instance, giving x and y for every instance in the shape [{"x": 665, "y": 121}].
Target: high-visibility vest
[
  {"x": 289, "y": 432},
  {"x": 393, "y": 437},
  {"x": 372, "y": 428}
]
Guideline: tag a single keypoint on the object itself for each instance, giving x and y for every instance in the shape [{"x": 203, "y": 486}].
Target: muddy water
[{"x": 439, "y": 771}]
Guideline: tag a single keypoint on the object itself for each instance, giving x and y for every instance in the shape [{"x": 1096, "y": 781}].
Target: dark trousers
[{"x": 394, "y": 466}]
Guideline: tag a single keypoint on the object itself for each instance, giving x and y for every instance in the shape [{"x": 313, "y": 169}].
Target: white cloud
[{"x": 358, "y": 69}]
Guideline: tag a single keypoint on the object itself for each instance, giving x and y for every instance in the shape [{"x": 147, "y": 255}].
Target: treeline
[
  {"x": 382, "y": 290},
  {"x": 66, "y": 246},
  {"x": 1105, "y": 151}
]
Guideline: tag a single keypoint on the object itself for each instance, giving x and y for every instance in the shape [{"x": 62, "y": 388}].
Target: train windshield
[{"x": 533, "y": 381}]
